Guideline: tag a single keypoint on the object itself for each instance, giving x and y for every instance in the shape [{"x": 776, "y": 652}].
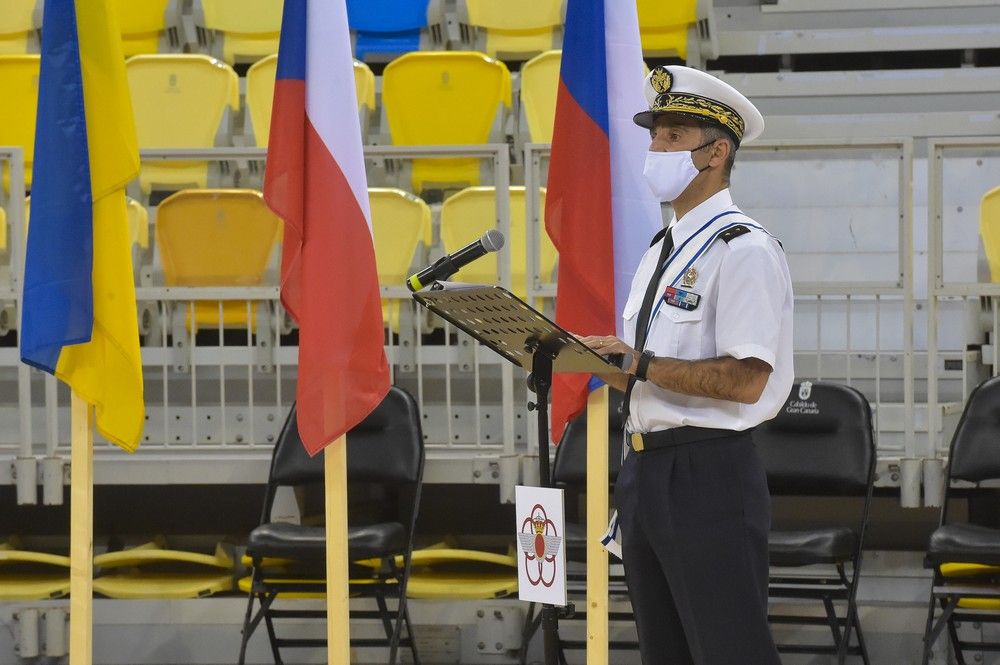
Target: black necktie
[{"x": 642, "y": 323}]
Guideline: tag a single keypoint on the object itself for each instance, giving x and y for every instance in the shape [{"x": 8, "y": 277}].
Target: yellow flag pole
[
  {"x": 597, "y": 519},
  {"x": 338, "y": 628},
  {"x": 81, "y": 533}
]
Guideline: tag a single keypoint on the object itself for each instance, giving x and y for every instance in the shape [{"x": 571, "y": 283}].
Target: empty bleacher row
[
  {"x": 193, "y": 101},
  {"x": 242, "y": 31},
  {"x": 733, "y": 34},
  {"x": 188, "y": 101}
]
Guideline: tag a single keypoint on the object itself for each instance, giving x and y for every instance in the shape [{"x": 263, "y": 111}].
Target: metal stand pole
[{"x": 539, "y": 382}]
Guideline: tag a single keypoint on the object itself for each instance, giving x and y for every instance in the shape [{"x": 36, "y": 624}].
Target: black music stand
[{"x": 503, "y": 322}]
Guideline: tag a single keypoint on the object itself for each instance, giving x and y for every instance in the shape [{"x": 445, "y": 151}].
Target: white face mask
[{"x": 668, "y": 174}]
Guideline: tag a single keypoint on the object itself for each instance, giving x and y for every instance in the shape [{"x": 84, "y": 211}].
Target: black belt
[{"x": 678, "y": 436}]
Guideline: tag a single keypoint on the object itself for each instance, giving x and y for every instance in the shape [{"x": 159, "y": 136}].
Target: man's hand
[{"x": 606, "y": 345}]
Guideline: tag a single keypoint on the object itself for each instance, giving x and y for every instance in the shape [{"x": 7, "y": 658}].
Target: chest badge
[
  {"x": 686, "y": 300},
  {"x": 690, "y": 277}
]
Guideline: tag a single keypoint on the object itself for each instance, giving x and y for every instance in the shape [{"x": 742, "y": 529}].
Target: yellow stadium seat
[
  {"x": 663, "y": 26},
  {"x": 249, "y": 28},
  {"x": 400, "y": 222},
  {"x": 446, "y": 97},
  {"x": 141, "y": 23},
  {"x": 153, "y": 571},
  {"x": 138, "y": 223},
  {"x": 516, "y": 26},
  {"x": 260, "y": 94},
  {"x": 471, "y": 212},
  {"x": 441, "y": 571},
  {"x": 216, "y": 237},
  {"x": 19, "y": 82},
  {"x": 989, "y": 230},
  {"x": 179, "y": 102},
  {"x": 27, "y": 575},
  {"x": 3, "y": 230},
  {"x": 539, "y": 88},
  {"x": 364, "y": 86},
  {"x": 17, "y": 22},
  {"x": 973, "y": 571}
]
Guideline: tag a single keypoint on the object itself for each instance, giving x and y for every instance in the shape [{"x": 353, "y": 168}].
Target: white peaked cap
[{"x": 694, "y": 93}]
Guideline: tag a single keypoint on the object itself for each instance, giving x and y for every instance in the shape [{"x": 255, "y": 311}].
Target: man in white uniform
[{"x": 708, "y": 347}]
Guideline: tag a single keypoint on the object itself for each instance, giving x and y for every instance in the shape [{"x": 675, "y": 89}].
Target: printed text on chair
[{"x": 179, "y": 102}]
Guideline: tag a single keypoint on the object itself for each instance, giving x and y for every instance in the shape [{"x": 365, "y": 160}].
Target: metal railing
[
  {"x": 224, "y": 401},
  {"x": 219, "y": 400},
  {"x": 971, "y": 303}
]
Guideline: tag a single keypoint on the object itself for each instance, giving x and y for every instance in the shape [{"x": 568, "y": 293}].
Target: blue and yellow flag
[{"x": 79, "y": 316}]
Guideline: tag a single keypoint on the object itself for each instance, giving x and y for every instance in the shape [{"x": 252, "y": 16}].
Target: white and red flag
[{"x": 315, "y": 181}]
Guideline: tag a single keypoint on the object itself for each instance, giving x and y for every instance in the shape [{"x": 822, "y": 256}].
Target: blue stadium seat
[{"x": 386, "y": 27}]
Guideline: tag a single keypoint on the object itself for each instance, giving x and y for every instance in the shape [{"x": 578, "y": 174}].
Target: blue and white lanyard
[{"x": 701, "y": 250}]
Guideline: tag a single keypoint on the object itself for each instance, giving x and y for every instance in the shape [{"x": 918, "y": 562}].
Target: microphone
[{"x": 449, "y": 264}]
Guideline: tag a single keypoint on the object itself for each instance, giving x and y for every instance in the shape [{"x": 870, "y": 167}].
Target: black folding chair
[
  {"x": 966, "y": 556},
  {"x": 569, "y": 472},
  {"x": 820, "y": 444},
  {"x": 385, "y": 457}
]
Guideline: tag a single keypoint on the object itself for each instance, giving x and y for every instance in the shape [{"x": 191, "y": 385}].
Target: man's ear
[{"x": 720, "y": 153}]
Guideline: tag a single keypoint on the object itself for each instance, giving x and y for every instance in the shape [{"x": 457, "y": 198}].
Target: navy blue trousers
[{"x": 694, "y": 521}]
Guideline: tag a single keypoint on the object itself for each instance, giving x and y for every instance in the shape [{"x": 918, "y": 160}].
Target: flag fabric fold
[
  {"x": 79, "y": 313},
  {"x": 315, "y": 181},
  {"x": 602, "y": 217}
]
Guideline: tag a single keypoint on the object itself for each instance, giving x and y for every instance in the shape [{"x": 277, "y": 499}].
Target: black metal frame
[
  {"x": 267, "y": 585},
  {"x": 949, "y": 595},
  {"x": 828, "y": 590}
]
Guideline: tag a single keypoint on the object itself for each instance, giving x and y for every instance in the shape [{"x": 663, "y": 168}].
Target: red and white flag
[{"x": 315, "y": 181}]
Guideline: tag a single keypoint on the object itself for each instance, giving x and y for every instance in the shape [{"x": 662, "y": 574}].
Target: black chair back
[
  {"x": 386, "y": 447},
  {"x": 975, "y": 448},
  {"x": 820, "y": 443},
  {"x": 385, "y": 463},
  {"x": 570, "y": 466}
]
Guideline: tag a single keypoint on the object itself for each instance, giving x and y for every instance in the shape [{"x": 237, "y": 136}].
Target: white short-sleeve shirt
[{"x": 745, "y": 311}]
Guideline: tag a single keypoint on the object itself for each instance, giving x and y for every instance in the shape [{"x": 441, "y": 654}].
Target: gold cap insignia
[
  {"x": 701, "y": 107},
  {"x": 661, "y": 80},
  {"x": 690, "y": 277}
]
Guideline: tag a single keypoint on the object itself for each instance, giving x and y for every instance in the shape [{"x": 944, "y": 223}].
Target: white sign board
[{"x": 541, "y": 565}]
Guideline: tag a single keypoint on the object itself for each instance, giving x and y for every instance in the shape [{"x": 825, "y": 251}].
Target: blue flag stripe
[
  {"x": 292, "y": 46},
  {"x": 584, "y": 68},
  {"x": 58, "y": 305}
]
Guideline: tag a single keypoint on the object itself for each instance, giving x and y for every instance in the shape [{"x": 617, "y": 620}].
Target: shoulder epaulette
[
  {"x": 659, "y": 234},
  {"x": 734, "y": 232}
]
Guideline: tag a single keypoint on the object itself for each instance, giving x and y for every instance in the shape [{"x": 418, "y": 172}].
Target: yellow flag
[{"x": 107, "y": 370}]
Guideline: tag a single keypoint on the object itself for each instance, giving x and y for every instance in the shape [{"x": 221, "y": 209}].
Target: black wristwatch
[{"x": 643, "y": 364}]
